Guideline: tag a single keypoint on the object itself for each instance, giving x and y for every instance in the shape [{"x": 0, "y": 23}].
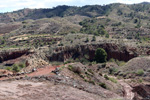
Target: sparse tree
[
  {"x": 94, "y": 38},
  {"x": 87, "y": 39},
  {"x": 107, "y": 35},
  {"x": 100, "y": 55}
]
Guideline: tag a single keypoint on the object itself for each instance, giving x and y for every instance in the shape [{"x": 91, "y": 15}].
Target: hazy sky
[{"x": 11, "y": 5}]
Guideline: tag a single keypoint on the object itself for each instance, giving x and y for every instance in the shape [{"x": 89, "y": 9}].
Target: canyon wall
[
  {"x": 12, "y": 54},
  {"x": 116, "y": 51}
]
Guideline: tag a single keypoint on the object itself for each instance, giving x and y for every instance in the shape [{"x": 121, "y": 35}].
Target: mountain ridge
[{"x": 64, "y": 10}]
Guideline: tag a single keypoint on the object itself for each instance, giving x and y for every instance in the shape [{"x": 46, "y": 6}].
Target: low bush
[
  {"x": 56, "y": 63},
  {"x": 140, "y": 80},
  {"x": 110, "y": 78},
  {"x": 70, "y": 67},
  {"x": 9, "y": 68},
  {"x": 84, "y": 61},
  {"x": 90, "y": 70},
  {"x": 16, "y": 67},
  {"x": 119, "y": 63},
  {"x": 113, "y": 70},
  {"x": 103, "y": 85},
  {"x": 106, "y": 77},
  {"x": 92, "y": 82},
  {"x": 140, "y": 72}
]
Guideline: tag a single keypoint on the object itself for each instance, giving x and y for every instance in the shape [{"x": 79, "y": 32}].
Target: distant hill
[
  {"x": 141, "y": 10},
  {"x": 118, "y": 20},
  {"x": 145, "y": 3},
  {"x": 59, "y": 11}
]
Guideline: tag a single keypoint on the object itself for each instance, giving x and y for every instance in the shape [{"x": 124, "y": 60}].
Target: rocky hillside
[
  {"x": 117, "y": 10},
  {"x": 58, "y": 47},
  {"x": 116, "y": 20}
]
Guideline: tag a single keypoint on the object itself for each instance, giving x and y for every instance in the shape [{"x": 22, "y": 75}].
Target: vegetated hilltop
[
  {"x": 116, "y": 10},
  {"x": 119, "y": 20}
]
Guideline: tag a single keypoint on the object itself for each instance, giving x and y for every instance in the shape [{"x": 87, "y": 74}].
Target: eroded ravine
[{"x": 128, "y": 94}]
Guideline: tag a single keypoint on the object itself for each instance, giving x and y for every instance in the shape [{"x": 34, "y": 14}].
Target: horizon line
[{"x": 71, "y": 6}]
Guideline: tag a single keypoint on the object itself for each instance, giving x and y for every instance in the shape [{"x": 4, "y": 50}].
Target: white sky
[{"x": 11, "y": 5}]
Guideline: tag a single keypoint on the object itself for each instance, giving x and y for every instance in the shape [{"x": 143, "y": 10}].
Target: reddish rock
[
  {"x": 116, "y": 51},
  {"x": 148, "y": 52},
  {"x": 8, "y": 55},
  {"x": 142, "y": 92}
]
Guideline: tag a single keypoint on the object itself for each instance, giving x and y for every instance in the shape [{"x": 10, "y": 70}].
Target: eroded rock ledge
[
  {"x": 142, "y": 92},
  {"x": 13, "y": 54},
  {"x": 116, "y": 51}
]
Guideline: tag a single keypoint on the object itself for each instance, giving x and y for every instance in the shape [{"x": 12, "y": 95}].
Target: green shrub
[
  {"x": 90, "y": 64},
  {"x": 9, "y": 68},
  {"x": 112, "y": 60},
  {"x": 92, "y": 82},
  {"x": 112, "y": 79},
  {"x": 56, "y": 63},
  {"x": 103, "y": 85},
  {"x": 84, "y": 61},
  {"x": 120, "y": 63},
  {"x": 86, "y": 56},
  {"x": 140, "y": 72},
  {"x": 61, "y": 44},
  {"x": 70, "y": 67},
  {"x": 16, "y": 68},
  {"x": 73, "y": 32},
  {"x": 113, "y": 70},
  {"x": 100, "y": 55},
  {"x": 85, "y": 80},
  {"x": 106, "y": 77},
  {"x": 82, "y": 76},
  {"x": 100, "y": 74},
  {"x": 77, "y": 60},
  {"x": 140, "y": 80},
  {"x": 87, "y": 39},
  {"x": 94, "y": 38},
  {"x": 62, "y": 67},
  {"x": 89, "y": 70},
  {"x": 67, "y": 62},
  {"x": 94, "y": 62},
  {"x": 22, "y": 65},
  {"x": 107, "y": 35}
]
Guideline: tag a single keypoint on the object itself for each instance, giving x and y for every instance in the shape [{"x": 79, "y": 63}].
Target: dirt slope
[{"x": 27, "y": 90}]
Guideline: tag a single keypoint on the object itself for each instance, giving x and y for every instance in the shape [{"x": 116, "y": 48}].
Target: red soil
[
  {"x": 43, "y": 71},
  {"x": 39, "y": 72}
]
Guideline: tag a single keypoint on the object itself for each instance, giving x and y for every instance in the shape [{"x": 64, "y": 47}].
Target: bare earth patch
[{"x": 27, "y": 90}]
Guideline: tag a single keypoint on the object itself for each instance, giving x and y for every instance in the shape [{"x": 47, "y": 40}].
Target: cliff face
[
  {"x": 8, "y": 55},
  {"x": 122, "y": 53}
]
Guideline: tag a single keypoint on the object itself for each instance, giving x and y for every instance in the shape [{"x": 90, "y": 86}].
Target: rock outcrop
[
  {"x": 138, "y": 63},
  {"x": 142, "y": 92},
  {"x": 8, "y": 55},
  {"x": 116, "y": 51}
]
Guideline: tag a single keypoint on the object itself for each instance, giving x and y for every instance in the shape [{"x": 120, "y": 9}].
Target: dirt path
[
  {"x": 39, "y": 72},
  {"x": 43, "y": 71},
  {"x": 129, "y": 95}
]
